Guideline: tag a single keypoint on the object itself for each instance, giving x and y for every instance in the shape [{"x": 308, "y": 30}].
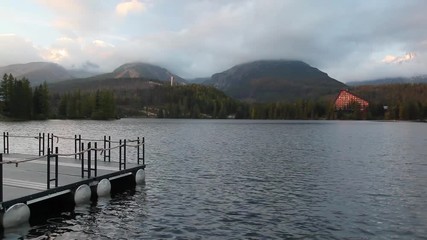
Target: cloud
[
  {"x": 133, "y": 6},
  {"x": 103, "y": 44},
  {"x": 55, "y": 54},
  {"x": 88, "y": 65},
  {"x": 198, "y": 38},
  {"x": 391, "y": 59},
  {"x": 16, "y": 49},
  {"x": 78, "y": 18}
]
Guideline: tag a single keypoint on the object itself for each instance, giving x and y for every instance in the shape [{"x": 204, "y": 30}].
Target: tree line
[
  {"x": 199, "y": 101},
  {"x": 395, "y": 101},
  {"x": 99, "y": 105},
  {"x": 184, "y": 101},
  {"x": 18, "y": 100}
]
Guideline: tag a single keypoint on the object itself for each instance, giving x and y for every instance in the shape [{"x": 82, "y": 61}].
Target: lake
[{"x": 247, "y": 179}]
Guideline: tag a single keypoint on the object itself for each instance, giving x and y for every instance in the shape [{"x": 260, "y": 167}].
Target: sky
[{"x": 350, "y": 40}]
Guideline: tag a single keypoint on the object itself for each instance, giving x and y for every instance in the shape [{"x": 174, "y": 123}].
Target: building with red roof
[{"x": 345, "y": 100}]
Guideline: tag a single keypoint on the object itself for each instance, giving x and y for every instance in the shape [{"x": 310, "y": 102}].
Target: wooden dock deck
[
  {"x": 35, "y": 182},
  {"x": 31, "y": 177}
]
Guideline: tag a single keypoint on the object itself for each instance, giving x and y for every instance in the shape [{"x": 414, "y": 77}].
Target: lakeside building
[{"x": 345, "y": 100}]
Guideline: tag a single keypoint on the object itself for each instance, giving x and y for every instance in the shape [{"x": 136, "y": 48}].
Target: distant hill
[
  {"x": 37, "y": 72},
  {"x": 127, "y": 76},
  {"x": 395, "y": 80},
  {"x": 81, "y": 73},
  {"x": 198, "y": 80},
  {"x": 275, "y": 80},
  {"x": 93, "y": 84},
  {"x": 143, "y": 70}
]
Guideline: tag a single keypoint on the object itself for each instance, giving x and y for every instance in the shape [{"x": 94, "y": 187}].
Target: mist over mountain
[
  {"x": 82, "y": 73},
  {"x": 391, "y": 80},
  {"x": 275, "y": 80},
  {"x": 258, "y": 81},
  {"x": 144, "y": 70},
  {"x": 127, "y": 76},
  {"x": 199, "y": 80},
  {"x": 37, "y": 72}
]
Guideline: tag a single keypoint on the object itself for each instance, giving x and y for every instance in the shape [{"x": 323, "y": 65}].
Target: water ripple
[{"x": 261, "y": 180}]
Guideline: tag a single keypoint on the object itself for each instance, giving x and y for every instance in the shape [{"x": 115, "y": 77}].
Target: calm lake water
[{"x": 231, "y": 179}]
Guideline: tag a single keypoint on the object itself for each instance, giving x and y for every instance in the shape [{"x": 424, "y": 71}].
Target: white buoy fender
[
  {"x": 104, "y": 188},
  {"x": 16, "y": 215},
  {"x": 140, "y": 176},
  {"x": 82, "y": 194}
]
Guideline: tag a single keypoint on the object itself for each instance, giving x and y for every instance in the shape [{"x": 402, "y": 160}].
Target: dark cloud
[
  {"x": 347, "y": 39},
  {"x": 350, "y": 40}
]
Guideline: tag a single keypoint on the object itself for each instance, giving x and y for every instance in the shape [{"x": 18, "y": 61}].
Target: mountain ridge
[
  {"x": 390, "y": 80},
  {"x": 257, "y": 81},
  {"x": 145, "y": 70},
  {"x": 274, "y": 80},
  {"x": 37, "y": 72}
]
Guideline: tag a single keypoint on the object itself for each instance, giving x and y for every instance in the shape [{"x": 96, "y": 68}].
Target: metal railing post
[
  {"x": 109, "y": 148},
  {"x": 56, "y": 167},
  {"x": 48, "y": 168},
  {"x": 124, "y": 154},
  {"x": 89, "y": 153},
  {"x": 44, "y": 146},
  {"x": 75, "y": 146},
  {"x": 6, "y": 142},
  {"x": 143, "y": 150},
  {"x": 50, "y": 142},
  {"x": 83, "y": 159},
  {"x": 50, "y": 155},
  {"x": 43, "y": 143},
  {"x": 137, "y": 150},
  {"x": 81, "y": 147},
  {"x": 40, "y": 143},
  {"x": 120, "y": 154},
  {"x": 1, "y": 177},
  {"x": 105, "y": 147},
  {"x": 96, "y": 160}
]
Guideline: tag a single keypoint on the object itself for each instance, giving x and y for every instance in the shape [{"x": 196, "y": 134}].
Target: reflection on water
[
  {"x": 256, "y": 179},
  {"x": 17, "y": 232}
]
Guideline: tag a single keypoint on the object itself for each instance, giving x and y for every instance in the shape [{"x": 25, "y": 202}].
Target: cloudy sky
[{"x": 348, "y": 39}]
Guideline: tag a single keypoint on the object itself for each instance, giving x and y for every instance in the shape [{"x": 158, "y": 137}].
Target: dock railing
[{"x": 89, "y": 164}]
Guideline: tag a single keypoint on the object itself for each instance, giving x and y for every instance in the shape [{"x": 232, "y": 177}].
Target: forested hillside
[
  {"x": 97, "y": 98},
  {"x": 37, "y": 72},
  {"x": 402, "y": 101},
  {"x": 275, "y": 80},
  {"x": 19, "y": 101},
  {"x": 186, "y": 101}
]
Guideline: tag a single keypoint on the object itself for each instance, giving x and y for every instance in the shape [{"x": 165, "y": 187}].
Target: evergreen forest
[{"x": 20, "y": 101}]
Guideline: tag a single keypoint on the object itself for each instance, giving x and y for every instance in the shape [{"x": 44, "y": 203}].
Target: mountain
[
  {"x": 81, "y": 73},
  {"x": 395, "y": 80},
  {"x": 93, "y": 84},
  {"x": 127, "y": 76},
  {"x": 275, "y": 80},
  {"x": 200, "y": 80},
  {"x": 144, "y": 70},
  {"x": 37, "y": 72}
]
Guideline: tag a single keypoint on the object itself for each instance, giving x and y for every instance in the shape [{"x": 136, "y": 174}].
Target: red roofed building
[{"x": 345, "y": 99}]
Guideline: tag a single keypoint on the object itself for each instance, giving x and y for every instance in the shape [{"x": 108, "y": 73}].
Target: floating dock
[{"x": 34, "y": 187}]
